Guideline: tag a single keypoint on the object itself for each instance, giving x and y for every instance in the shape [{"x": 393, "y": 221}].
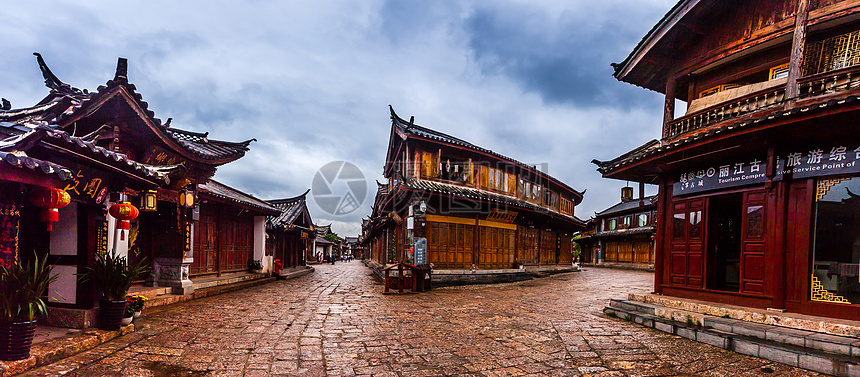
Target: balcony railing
[{"x": 818, "y": 85}]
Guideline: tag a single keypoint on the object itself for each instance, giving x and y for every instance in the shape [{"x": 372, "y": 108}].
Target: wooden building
[
  {"x": 115, "y": 150},
  {"x": 621, "y": 235},
  {"x": 291, "y": 232},
  {"x": 230, "y": 230},
  {"x": 458, "y": 206},
  {"x": 758, "y": 180}
]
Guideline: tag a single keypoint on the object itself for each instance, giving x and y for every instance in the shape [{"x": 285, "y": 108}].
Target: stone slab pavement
[{"x": 336, "y": 322}]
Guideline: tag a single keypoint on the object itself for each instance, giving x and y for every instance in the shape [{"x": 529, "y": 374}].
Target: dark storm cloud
[
  {"x": 312, "y": 81},
  {"x": 564, "y": 58}
]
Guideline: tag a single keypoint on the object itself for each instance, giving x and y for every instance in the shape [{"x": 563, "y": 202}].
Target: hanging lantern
[
  {"x": 124, "y": 212},
  {"x": 51, "y": 200},
  {"x": 186, "y": 198},
  {"x": 149, "y": 200}
]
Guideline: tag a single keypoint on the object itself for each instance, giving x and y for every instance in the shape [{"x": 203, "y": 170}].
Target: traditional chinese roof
[
  {"x": 645, "y": 155},
  {"x": 628, "y": 206},
  {"x": 323, "y": 241},
  {"x": 291, "y": 210},
  {"x": 230, "y": 195},
  {"x": 406, "y": 129},
  {"x": 481, "y": 195},
  {"x": 619, "y": 233},
  {"x": 36, "y": 165},
  {"x": 48, "y": 136},
  {"x": 66, "y": 104},
  {"x": 323, "y": 229}
]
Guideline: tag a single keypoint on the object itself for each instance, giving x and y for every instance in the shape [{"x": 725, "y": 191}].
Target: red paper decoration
[
  {"x": 51, "y": 199},
  {"x": 124, "y": 212}
]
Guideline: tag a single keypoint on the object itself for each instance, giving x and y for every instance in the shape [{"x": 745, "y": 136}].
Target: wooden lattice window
[{"x": 832, "y": 53}]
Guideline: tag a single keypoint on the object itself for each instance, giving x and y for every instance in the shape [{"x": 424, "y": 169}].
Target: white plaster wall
[
  {"x": 260, "y": 242},
  {"x": 64, "y": 289},
  {"x": 121, "y": 246},
  {"x": 64, "y": 237}
]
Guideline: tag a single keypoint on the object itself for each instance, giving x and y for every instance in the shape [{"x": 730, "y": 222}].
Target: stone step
[
  {"x": 822, "y": 354},
  {"x": 802, "y": 338}
]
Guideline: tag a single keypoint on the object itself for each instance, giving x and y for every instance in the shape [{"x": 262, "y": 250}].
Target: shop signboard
[
  {"x": 814, "y": 162},
  {"x": 9, "y": 216},
  {"x": 421, "y": 251}
]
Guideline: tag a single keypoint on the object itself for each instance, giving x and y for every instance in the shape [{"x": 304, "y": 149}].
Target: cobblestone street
[{"x": 336, "y": 322}]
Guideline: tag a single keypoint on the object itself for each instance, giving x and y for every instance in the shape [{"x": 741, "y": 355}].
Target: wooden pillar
[
  {"x": 778, "y": 201},
  {"x": 797, "y": 45},
  {"x": 669, "y": 106},
  {"x": 663, "y": 205},
  {"x": 476, "y": 246}
]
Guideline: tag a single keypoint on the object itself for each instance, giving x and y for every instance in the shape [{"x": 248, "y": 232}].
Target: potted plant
[
  {"x": 136, "y": 302},
  {"x": 127, "y": 316},
  {"x": 113, "y": 275},
  {"x": 255, "y": 265},
  {"x": 22, "y": 286}
]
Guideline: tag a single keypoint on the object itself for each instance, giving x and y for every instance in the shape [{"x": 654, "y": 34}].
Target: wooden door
[
  {"x": 642, "y": 252},
  {"x": 610, "y": 253},
  {"x": 753, "y": 232},
  {"x": 547, "y": 247},
  {"x": 449, "y": 246},
  {"x": 497, "y": 248},
  {"x": 205, "y": 242},
  {"x": 686, "y": 261},
  {"x": 565, "y": 251},
  {"x": 528, "y": 245},
  {"x": 625, "y": 251}
]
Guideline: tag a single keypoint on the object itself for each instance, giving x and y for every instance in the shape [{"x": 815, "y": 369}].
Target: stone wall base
[{"x": 71, "y": 318}]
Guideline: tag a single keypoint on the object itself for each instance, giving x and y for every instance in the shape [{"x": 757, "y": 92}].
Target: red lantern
[
  {"x": 124, "y": 212},
  {"x": 51, "y": 199}
]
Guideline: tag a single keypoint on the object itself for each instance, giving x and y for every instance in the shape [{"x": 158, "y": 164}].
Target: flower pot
[
  {"x": 110, "y": 314},
  {"x": 126, "y": 321},
  {"x": 137, "y": 313},
  {"x": 16, "y": 339}
]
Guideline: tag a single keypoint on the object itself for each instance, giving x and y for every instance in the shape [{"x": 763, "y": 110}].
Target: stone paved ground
[{"x": 336, "y": 322}]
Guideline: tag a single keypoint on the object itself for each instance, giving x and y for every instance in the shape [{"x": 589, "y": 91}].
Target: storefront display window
[{"x": 836, "y": 253}]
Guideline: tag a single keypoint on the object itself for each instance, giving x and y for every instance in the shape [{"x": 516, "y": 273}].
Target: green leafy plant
[
  {"x": 21, "y": 289},
  {"x": 254, "y": 264},
  {"x": 114, "y": 275}
]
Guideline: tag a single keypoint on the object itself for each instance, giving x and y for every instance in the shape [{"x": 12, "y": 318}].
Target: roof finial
[
  {"x": 412, "y": 121},
  {"x": 6, "y": 105},
  {"x": 51, "y": 81},
  {"x": 121, "y": 70}
]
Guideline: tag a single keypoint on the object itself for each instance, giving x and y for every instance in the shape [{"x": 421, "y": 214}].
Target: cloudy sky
[{"x": 312, "y": 80}]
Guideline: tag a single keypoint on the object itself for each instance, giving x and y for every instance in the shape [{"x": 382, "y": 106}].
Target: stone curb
[
  {"x": 55, "y": 350},
  {"x": 58, "y": 349},
  {"x": 699, "y": 329}
]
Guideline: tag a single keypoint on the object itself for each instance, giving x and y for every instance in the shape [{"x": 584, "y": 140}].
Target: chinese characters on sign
[
  {"x": 421, "y": 251},
  {"x": 9, "y": 215},
  {"x": 714, "y": 177},
  {"x": 797, "y": 164},
  {"x": 102, "y": 238},
  {"x": 820, "y": 161}
]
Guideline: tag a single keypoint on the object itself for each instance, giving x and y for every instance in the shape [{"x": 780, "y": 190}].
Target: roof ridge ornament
[
  {"x": 121, "y": 70},
  {"x": 51, "y": 80}
]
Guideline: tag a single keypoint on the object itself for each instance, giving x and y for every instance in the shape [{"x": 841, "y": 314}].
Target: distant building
[
  {"x": 461, "y": 207},
  {"x": 621, "y": 235},
  {"x": 291, "y": 232}
]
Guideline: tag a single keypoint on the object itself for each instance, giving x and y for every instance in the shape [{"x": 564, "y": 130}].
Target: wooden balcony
[{"x": 820, "y": 86}]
